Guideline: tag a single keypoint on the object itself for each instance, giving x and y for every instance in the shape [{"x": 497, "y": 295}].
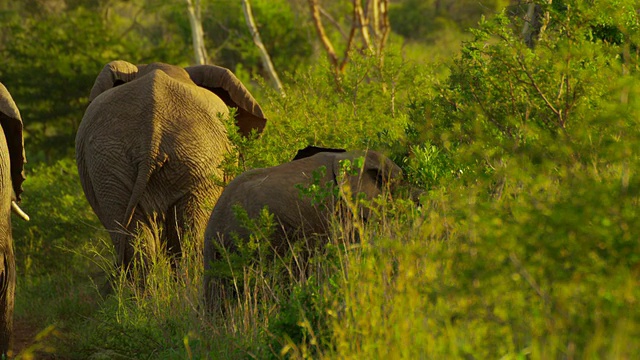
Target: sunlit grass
[{"x": 468, "y": 272}]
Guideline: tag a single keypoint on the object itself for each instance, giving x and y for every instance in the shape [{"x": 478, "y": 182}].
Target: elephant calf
[{"x": 296, "y": 216}]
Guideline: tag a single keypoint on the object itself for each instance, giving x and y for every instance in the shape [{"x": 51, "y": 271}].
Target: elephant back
[
  {"x": 174, "y": 72},
  {"x": 153, "y": 96},
  {"x": 12, "y": 128}
]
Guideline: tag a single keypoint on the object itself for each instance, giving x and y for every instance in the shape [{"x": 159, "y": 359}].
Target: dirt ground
[{"x": 30, "y": 341}]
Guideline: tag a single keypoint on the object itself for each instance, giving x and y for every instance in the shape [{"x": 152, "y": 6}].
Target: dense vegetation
[{"x": 524, "y": 244}]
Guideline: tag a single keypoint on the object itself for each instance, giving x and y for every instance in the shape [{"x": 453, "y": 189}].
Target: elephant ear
[
  {"x": 229, "y": 89},
  {"x": 378, "y": 171},
  {"x": 312, "y": 150},
  {"x": 113, "y": 74},
  {"x": 12, "y": 127},
  {"x": 386, "y": 173}
]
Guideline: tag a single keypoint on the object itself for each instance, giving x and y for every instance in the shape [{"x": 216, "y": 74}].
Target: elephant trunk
[{"x": 18, "y": 211}]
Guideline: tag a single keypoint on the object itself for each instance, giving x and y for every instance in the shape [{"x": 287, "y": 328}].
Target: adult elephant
[
  {"x": 150, "y": 144},
  {"x": 296, "y": 216},
  {"x": 12, "y": 161}
]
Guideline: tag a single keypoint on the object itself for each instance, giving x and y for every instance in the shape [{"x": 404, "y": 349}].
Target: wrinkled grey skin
[
  {"x": 296, "y": 216},
  {"x": 149, "y": 146},
  {"x": 12, "y": 161}
]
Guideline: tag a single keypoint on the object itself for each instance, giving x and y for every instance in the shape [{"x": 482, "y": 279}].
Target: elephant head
[
  {"x": 150, "y": 144},
  {"x": 12, "y": 159},
  {"x": 377, "y": 174}
]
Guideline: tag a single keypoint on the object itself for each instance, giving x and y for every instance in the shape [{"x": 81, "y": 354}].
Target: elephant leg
[
  {"x": 7, "y": 294},
  {"x": 110, "y": 211},
  {"x": 187, "y": 220},
  {"x": 173, "y": 232}
]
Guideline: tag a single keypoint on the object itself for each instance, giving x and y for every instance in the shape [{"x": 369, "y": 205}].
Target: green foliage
[
  {"x": 53, "y": 258},
  {"x": 318, "y": 193},
  {"x": 284, "y": 32},
  {"x": 363, "y": 110},
  {"x": 427, "y": 166},
  {"x": 60, "y": 221},
  {"x": 301, "y": 328},
  {"x": 538, "y": 259},
  {"x": 254, "y": 250},
  {"x": 152, "y": 310},
  {"x": 503, "y": 91},
  {"x": 524, "y": 244},
  {"x": 50, "y": 62},
  {"x": 421, "y": 20}
]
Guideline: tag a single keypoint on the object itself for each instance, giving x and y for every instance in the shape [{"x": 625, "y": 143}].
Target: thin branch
[
  {"x": 264, "y": 54},
  {"x": 528, "y": 28},
  {"x": 335, "y": 23},
  {"x": 385, "y": 27},
  {"x": 317, "y": 22},
  {"x": 197, "y": 34},
  {"x": 362, "y": 22},
  {"x": 134, "y": 23},
  {"x": 537, "y": 88},
  {"x": 530, "y": 280},
  {"x": 374, "y": 6},
  {"x": 352, "y": 35}
]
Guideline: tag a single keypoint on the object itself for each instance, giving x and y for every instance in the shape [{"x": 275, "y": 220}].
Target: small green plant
[
  {"x": 317, "y": 192},
  {"x": 301, "y": 327},
  {"x": 249, "y": 251}
]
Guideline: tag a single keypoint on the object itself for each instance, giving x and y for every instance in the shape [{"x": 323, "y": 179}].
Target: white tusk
[{"x": 19, "y": 211}]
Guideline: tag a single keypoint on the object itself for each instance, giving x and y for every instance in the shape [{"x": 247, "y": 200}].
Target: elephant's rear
[
  {"x": 99, "y": 151},
  {"x": 147, "y": 151}
]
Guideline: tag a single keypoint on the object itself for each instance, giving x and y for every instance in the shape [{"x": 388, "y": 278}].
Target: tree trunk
[
  {"x": 264, "y": 54},
  {"x": 324, "y": 39},
  {"x": 197, "y": 34},
  {"x": 529, "y": 27}
]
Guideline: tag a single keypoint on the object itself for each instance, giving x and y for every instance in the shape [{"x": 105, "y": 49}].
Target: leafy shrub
[
  {"x": 301, "y": 327},
  {"x": 529, "y": 251},
  {"x": 61, "y": 218}
]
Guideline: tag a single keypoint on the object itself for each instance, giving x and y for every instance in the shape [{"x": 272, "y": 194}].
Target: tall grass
[{"x": 530, "y": 271}]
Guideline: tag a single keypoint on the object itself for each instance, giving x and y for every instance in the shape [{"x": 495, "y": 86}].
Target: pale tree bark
[
  {"x": 197, "y": 34},
  {"x": 322, "y": 35},
  {"x": 382, "y": 24},
  {"x": 535, "y": 23},
  {"x": 362, "y": 19},
  {"x": 264, "y": 54},
  {"x": 530, "y": 21},
  {"x": 373, "y": 20}
]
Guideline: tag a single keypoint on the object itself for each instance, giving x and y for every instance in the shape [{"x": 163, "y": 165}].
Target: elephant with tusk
[
  {"x": 296, "y": 217},
  {"x": 150, "y": 144},
  {"x": 12, "y": 159}
]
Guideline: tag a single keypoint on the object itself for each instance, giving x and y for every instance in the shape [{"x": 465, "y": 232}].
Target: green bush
[{"x": 61, "y": 221}]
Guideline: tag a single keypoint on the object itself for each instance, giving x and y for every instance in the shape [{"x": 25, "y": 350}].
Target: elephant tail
[{"x": 145, "y": 169}]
